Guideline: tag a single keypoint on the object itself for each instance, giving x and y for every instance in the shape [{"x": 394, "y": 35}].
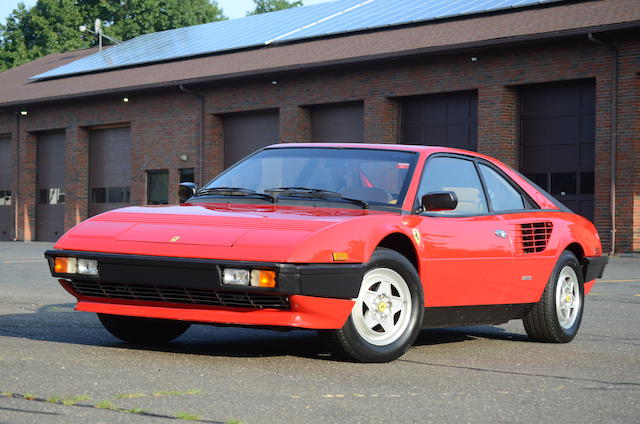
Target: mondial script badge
[
  {"x": 416, "y": 235},
  {"x": 174, "y": 239}
]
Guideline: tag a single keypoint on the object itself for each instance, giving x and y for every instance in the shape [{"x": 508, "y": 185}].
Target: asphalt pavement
[{"x": 58, "y": 365}]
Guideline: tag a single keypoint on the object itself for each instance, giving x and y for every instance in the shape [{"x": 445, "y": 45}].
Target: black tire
[
  {"x": 379, "y": 345},
  {"x": 546, "y": 321},
  {"x": 147, "y": 331}
]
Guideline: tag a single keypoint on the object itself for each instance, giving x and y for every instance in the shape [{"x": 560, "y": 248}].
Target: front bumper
[{"x": 306, "y": 295}]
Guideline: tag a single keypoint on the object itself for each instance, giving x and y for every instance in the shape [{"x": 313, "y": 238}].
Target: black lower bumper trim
[
  {"x": 340, "y": 281},
  {"x": 594, "y": 267}
]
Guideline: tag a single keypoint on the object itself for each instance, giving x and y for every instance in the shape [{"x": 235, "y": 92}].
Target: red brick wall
[
  {"x": 628, "y": 158},
  {"x": 163, "y": 127},
  {"x": 166, "y": 124}
]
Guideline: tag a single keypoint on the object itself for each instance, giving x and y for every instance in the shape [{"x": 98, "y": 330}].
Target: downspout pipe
[
  {"x": 202, "y": 104},
  {"x": 16, "y": 195},
  {"x": 614, "y": 133}
]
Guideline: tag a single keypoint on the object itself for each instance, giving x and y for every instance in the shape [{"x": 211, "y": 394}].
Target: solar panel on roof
[{"x": 337, "y": 17}]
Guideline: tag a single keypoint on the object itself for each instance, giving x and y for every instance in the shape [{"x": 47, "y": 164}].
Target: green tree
[
  {"x": 52, "y": 25},
  {"x": 265, "y": 6}
]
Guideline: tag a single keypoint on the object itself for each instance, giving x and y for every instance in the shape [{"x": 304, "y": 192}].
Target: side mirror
[
  {"x": 439, "y": 201},
  {"x": 186, "y": 191}
]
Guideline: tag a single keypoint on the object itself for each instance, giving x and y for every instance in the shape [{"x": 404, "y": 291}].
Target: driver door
[{"x": 468, "y": 253}]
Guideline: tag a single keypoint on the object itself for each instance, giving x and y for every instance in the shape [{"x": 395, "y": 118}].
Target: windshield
[{"x": 373, "y": 176}]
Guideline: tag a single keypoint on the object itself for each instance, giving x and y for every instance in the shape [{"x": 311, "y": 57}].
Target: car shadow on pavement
[
  {"x": 434, "y": 336},
  {"x": 60, "y": 323}
]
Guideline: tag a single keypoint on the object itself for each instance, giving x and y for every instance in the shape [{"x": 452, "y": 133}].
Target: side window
[
  {"x": 502, "y": 195},
  {"x": 456, "y": 175}
]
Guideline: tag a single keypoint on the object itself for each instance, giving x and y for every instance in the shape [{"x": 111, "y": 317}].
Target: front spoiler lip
[
  {"x": 306, "y": 312},
  {"x": 328, "y": 280}
]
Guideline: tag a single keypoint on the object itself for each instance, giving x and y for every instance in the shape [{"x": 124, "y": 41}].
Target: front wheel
[
  {"x": 148, "y": 331},
  {"x": 387, "y": 315},
  {"x": 557, "y": 316}
]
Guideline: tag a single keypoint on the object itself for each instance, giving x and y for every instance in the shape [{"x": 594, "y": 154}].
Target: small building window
[
  {"x": 5, "y": 197},
  {"x": 51, "y": 196},
  {"x": 158, "y": 187},
  {"x": 110, "y": 195},
  {"x": 187, "y": 175}
]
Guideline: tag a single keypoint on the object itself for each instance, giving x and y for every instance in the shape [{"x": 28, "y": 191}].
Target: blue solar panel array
[{"x": 336, "y": 17}]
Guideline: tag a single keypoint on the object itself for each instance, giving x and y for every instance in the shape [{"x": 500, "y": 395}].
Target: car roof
[{"x": 425, "y": 150}]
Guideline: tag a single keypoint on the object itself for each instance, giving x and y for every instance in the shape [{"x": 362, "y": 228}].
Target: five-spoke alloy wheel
[
  {"x": 387, "y": 314},
  {"x": 557, "y": 316}
]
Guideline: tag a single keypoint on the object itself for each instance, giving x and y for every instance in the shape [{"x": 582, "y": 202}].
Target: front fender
[{"x": 358, "y": 238}]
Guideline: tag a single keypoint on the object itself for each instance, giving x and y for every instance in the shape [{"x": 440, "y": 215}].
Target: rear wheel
[
  {"x": 557, "y": 316},
  {"x": 143, "y": 330},
  {"x": 386, "y": 317}
]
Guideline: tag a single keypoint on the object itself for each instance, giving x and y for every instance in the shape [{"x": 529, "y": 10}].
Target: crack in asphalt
[
  {"x": 524, "y": 374},
  {"x": 92, "y": 406}
]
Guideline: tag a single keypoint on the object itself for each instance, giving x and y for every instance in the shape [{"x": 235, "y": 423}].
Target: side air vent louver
[{"x": 533, "y": 237}]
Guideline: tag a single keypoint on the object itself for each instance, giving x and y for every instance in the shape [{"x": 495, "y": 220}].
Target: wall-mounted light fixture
[
  {"x": 125, "y": 100},
  {"x": 24, "y": 112},
  {"x": 473, "y": 58},
  {"x": 184, "y": 157}
]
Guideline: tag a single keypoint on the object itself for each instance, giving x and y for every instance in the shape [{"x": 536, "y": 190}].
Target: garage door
[
  {"x": 337, "y": 123},
  {"x": 449, "y": 119},
  {"x": 6, "y": 212},
  {"x": 50, "y": 185},
  {"x": 109, "y": 169},
  {"x": 247, "y": 132},
  {"x": 557, "y": 130}
]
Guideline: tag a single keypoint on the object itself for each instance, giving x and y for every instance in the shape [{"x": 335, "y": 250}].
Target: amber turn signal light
[
  {"x": 64, "y": 265},
  {"x": 262, "y": 278}
]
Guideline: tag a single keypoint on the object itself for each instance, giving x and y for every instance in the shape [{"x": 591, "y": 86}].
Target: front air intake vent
[
  {"x": 533, "y": 237},
  {"x": 137, "y": 292}
]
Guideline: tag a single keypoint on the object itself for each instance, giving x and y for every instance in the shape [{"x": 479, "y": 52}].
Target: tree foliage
[
  {"x": 265, "y": 6},
  {"x": 52, "y": 25}
]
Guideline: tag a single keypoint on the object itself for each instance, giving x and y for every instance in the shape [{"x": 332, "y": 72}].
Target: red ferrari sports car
[{"x": 366, "y": 243}]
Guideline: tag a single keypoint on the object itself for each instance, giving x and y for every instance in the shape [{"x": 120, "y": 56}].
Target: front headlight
[
  {"x": 70, "y": 265},
  {"x": 87, "y": 266}
]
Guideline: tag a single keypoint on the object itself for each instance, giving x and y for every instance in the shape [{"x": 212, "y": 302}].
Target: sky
[{"x": 231, "y": 8}]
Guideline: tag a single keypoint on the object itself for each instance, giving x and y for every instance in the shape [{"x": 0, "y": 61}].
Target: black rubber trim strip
[
  {"x": 451, "y": 316},
  {"x": 594, "y": 267},
  {"x": 339, "y": 281}
]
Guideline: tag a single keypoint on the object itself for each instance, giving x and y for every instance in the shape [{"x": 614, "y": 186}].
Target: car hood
[{"x": 229, "y": 232}]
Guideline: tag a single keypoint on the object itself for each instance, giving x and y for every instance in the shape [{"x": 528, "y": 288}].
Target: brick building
[{"x": 551, "y": 88}]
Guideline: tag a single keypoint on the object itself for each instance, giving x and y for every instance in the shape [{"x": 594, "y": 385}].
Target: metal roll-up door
[
  {"x": 557, "y": 136},
  {"x": 6, "y": 198},
  {"x": 109, "y": 169},
  {"x": 50, "y": 186},
  {"x": 247, "y": 132},
  {"x": 444, "y": 119},
  {"x": 337, "y": 123}
]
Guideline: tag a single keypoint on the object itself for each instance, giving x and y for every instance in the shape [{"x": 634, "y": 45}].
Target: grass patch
[
  {"x": 177, "y": 393},
  {"x": 186, "y": 416},
  {"x": 54, "y": 399},
  {"x": 136, "y": 411},
  {"x": 130, "y": 396},
  {"x": 29, "y": 396},
  {"x": 75, "y": 399},
  {"x": 105, "y": 404}
]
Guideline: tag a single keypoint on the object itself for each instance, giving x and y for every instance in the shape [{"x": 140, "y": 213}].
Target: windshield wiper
[
  {"x": 314, "y": 193},
  {"x": 234, "y": 191}
]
